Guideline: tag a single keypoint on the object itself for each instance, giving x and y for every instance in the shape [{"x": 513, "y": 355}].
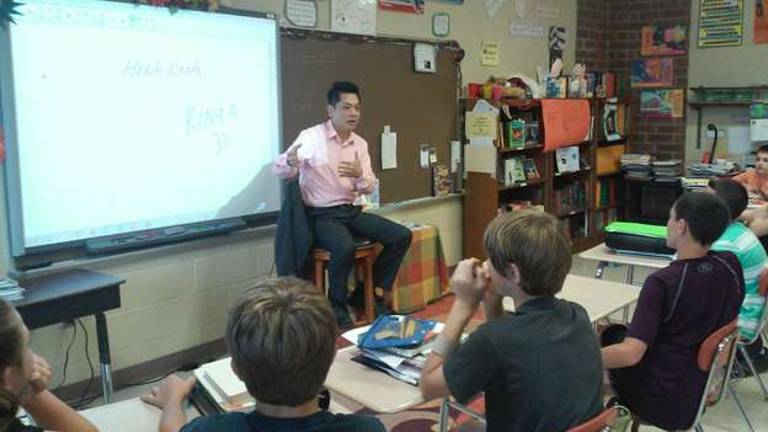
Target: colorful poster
[
  {"x": 761, "y": 22},
  {"x": 407, "y": 6},
  {"x": 662, "y": 41},
  {"x": 652, "y": 72},
  {"x": 661, "y": 104},
  {"x": 721, "y": 23}
]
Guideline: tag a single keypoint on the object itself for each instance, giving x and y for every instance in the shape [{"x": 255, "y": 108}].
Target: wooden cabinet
[{"x": 582, "y": 199}]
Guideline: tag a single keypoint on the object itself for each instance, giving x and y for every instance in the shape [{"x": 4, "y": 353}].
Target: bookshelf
[{"x": 584, "y": 199}]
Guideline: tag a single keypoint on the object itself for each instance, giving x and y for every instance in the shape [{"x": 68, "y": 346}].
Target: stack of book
[
  {"x": 709, "y": 170},
  {"x": 222, "y": 391},
  {"x": 637, "y": 166},
  {"x": 403, "y": 362},
  {"x": 10, "y": 290},
  {"x": 694, "y": 184},
  {"x": 668, "y": 171}
]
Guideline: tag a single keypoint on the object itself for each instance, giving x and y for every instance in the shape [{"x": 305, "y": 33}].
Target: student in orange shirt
[{"x": 756, "y": 179}]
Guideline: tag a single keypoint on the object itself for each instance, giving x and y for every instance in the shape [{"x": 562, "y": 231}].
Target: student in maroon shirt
[{"x": 653, "y": 369}]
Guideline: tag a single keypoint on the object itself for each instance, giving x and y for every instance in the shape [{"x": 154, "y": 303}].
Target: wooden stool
[{"x": 365, "y": 254}]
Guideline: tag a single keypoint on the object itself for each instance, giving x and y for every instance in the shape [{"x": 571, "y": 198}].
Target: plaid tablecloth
[{"x": 423, "y": 276}]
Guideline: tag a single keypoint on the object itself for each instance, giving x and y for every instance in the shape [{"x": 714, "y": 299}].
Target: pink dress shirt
[{"x": 319, "y": 155}]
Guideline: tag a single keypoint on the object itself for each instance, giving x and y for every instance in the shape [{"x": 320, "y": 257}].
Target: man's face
[
  {"x": 346, "y": 114},
  {"x": 761, "y": 163}
]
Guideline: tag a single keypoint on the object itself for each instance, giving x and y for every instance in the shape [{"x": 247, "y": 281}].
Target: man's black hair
[{"x": 339, "y": 87}]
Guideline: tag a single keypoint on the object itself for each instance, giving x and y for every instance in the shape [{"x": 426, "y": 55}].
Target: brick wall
[
  {"x": 591, "y": 42},
  {"x": 614, "y": 26}
]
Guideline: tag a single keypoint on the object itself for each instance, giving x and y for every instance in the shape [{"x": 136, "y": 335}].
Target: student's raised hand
[
  {"x": 469, "y": 282},
  {"x": 173, "y": 390},
  {"x": 40, "y": 377},
  {"x": 352, "y": 169}
]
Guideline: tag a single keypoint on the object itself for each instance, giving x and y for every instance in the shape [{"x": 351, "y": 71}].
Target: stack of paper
[
  {"x": 403, "y": 363},
  {"x": 224, "y": 387},
  {"x": 668, "y": 171},
  {"x": 694, "y": 183},
  {"x": 637, "y": 166},
  {"x": 10, "y": 290},
  {"x": 709, "y": 170}
]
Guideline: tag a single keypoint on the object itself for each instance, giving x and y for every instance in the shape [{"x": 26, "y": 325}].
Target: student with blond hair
[
  {"x": 24, "y": 379},
  {"x": 539, "y": 366},
  {"x": 282, "y": 338}
]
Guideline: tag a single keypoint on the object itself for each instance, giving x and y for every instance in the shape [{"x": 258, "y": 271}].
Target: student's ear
[
  {"x": 513, "y": 274},
  {"x": 682, "y": 226},
  {"x": 329, "y": 108},
  {"x": 6, "y": 376}
]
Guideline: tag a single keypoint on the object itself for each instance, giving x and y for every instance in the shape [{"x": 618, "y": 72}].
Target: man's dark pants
[{"x": 334, "y": 229}]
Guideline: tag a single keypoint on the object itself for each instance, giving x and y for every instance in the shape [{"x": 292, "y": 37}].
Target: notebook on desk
[{"x": 223, "y": 387}]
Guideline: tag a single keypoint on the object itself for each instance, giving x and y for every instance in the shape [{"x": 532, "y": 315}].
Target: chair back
[
  {"x": 762, "y": 289},
  {"x": 599, "y": 423},
  {"x": 715, "y": 358}
]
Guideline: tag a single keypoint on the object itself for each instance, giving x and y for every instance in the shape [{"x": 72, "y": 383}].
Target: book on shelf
[
  {"x": 514, "y": 171},
  {"x": 516, "y": 134},
  {"x": 529, "y": 167},
  {"x": 532, "y": 134},
  {"x": 567, "y": 159}
]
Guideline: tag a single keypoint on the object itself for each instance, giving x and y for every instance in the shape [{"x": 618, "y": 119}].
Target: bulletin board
[{"x": 422, "y": 108}]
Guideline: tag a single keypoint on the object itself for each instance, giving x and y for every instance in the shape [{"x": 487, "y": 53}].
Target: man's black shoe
[{"x": 357, "y": 299}]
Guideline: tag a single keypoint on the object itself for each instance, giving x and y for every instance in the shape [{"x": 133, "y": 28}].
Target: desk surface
[
  {"x": 129, "y": 416},
  {"x": 371, "y": 388},
  {"x": 600, "y": 298},
  {"x": 67, "y": 295},
  {"x": 603, "y": 253},
  {"x": 384, "y": 394}
]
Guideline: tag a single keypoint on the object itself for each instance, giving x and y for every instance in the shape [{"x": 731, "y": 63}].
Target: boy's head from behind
[
  {"x": 535, "y": 243},
  {"x": 733, "y": 193},
  {"x": 698, "y": 217},
  {"x": 282, "y": 338}
]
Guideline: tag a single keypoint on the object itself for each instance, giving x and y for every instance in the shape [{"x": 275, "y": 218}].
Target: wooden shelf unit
[{"x": 486, "y": 196}]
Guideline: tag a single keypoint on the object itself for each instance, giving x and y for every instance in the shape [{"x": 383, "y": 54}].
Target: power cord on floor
[
  {"x": 66, "y": 357},
  {"x": 84, "y": 399}
]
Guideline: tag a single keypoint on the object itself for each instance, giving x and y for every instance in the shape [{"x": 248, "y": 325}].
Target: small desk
[
  {"x": 129, "y": 416},
  {"x": 371, "y": 388},
  {"x": 603, "y": 255},
  {"x": 384, "y": 394},
  {"x": 600, "y": 298},
  {"x": 69, "y": 295}
]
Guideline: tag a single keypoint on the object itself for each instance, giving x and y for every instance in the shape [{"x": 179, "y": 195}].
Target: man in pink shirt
[{"x": 334, "y": 166}]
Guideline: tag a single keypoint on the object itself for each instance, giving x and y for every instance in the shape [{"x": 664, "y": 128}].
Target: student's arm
[
  {"x": 170, "y": 397},
  {"x": 624, "y": 354},
  {"x": 49, "y": 412},
  {"x": 469, "y": 284},
  {"x": 643, "y": 329}
]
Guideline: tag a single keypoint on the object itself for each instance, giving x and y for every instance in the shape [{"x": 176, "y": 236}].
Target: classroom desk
[
  {"x": 384, "y": 394},
  {"x": 129, "y": 416},
  {"x": 604, "y": 255},
  {"x": 600, "y": 298},
  {"x": 69, "y": 295}
]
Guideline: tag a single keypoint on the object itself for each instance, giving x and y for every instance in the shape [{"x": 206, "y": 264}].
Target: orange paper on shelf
[{"x": 566, "y": 122}]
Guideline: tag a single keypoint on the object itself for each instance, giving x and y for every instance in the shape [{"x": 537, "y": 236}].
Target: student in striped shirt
[{"x": 751, "y": 254}]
